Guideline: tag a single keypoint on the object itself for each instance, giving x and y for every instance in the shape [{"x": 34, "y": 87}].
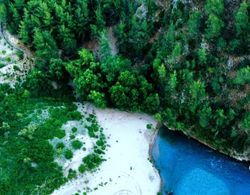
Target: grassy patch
[{"x": 26, "y": 126}]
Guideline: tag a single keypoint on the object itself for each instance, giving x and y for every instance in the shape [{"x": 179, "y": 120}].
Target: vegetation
[
  {"x": 27, "y": 158},
  {"x": 76, "y": 144},
  {"x": 188, "y": 67},
  {"x": 30, "y": 125}
]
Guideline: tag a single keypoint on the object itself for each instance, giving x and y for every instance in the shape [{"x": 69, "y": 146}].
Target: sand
[
  {"x": 127, "y": 169},
  {"x": 15, "y": 68}
]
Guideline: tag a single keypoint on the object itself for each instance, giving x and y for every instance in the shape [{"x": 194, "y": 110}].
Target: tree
[
  {"x": 214, "y": 26},
  {"x": 172, "y": 82},
  {"x": 118, "y": 96},
  {"x": 24, "y": 32},
  {"x": 167, "y": 43},
  {"x": 97, "y": 98},
  {"x": 76, "y": 144},
  {"x": 242, "y": 76},
  {"x": 214, "y": 6},
  {"x": 202, "y": 56},
  {"x": 125, "y": 93},
  {"x": 56, "y": 68},
  {"x": 138, "y": 36},
  {"x": 46, "y": 47},
  {"x": 242, "y": 19},
  {"x": 219, "y": 117},
  {"x": 194, "y": 23},
  {"x": 205, "y": 115},
  {"x": 197, "y": 95},
  {"x": 68, "y": 41},
  {"x": 122, "y": 37},
  {"x": 3, "y": 13},
  {"x": 68, "y": 154},
  {"x": 152, "y": 103},
  {"x": 81, "y": 16},
  {"x": 113, "y": 66},
  {"x": 86, "y": 82}
]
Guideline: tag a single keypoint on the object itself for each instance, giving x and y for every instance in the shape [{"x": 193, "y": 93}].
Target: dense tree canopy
[{"x": 189, "y": 66}]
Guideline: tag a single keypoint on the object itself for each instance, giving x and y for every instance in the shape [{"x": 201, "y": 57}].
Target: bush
[
  {"x": 76, "y": 144},
  {"x": 149, "y": 126},
  {"x": 82, "y": 168},
  {"x": 74, "y": 129},
  {"x": 68, "y": 154},
  {"x": 72, "y": 174},
  {"x": 60, "y": 145},
  {"x": 20, "y": 54}
]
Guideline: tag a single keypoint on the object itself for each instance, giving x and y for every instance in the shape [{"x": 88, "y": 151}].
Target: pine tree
[{"x": 242, "y": 19}]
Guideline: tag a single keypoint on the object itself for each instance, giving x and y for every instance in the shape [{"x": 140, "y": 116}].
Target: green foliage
[
  {"x": 74, "y": 129},
  {"x": 202, "y": 56},
  {"x": 76, "y": 144},
  {"x": 97, "y": 98},
  {"x": 149, "y": 126},
  {"x": 242, "y": 19},
  {"x": 171, "y": 62},
  {"x": 91, "y": 162},
  {"x": 243, "y": 76},
  {"x": 68, "y": 154},
  {"x": 214, "y": 26},
  {"x": 60, "y": 145},
  {"x": 23, "y": 126},
  {"x": 214, "y": 6},
  {"x": 45, "y": 45},
  {"x": 3, "y": 12},
  {"x": 194, "y": 24}
]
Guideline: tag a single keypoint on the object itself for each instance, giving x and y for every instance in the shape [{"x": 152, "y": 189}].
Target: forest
[{"x": 185, "y": 63}]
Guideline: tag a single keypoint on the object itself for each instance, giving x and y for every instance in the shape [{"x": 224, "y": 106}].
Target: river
[{"x": 190, "y": 168}]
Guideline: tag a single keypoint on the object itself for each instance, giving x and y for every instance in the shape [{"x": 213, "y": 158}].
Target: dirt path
[{"x": 15, "y": 68}]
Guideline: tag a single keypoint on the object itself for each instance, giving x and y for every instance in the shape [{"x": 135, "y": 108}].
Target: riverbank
[
  {"x": 230, "y": 153},
  {"x": 127, "y": 168},
  {"x": 183, "y": 163}
]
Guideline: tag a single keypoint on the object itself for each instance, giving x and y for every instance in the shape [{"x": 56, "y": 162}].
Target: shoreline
[
  {"x": 229, "y": 154},
  {"x": 154, "y": 136}
]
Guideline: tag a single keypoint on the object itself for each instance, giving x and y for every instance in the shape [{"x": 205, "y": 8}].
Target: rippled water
[{"x": 189, "y": 168}]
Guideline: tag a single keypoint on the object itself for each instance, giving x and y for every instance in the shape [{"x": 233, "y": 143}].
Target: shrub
[
  {"x": 72, "y": 174},
  {"x": 149, "y": 126},
  {"x": 60, "y": 145},
  {"x": 68, "y": 154},
  {"x": 76, "y": 144},
  {"x": 82, "y": 168},
  {"x": 74, "y": 129}
]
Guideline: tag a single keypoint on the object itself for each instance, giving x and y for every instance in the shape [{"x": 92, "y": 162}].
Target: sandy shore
[{"x": 127, "y": 169}]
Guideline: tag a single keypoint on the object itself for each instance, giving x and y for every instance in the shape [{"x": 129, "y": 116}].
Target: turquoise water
[{"x": 189, "y": 168}]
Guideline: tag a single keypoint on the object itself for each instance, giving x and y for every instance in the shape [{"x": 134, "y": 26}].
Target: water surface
[{"x": 189, "y": 168}]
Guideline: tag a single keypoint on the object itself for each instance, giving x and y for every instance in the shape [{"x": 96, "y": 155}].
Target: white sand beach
[{"x": 127, "y": 169}]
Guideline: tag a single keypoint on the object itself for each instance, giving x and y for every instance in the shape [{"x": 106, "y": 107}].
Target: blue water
[{"x": 189, "y": 168}]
